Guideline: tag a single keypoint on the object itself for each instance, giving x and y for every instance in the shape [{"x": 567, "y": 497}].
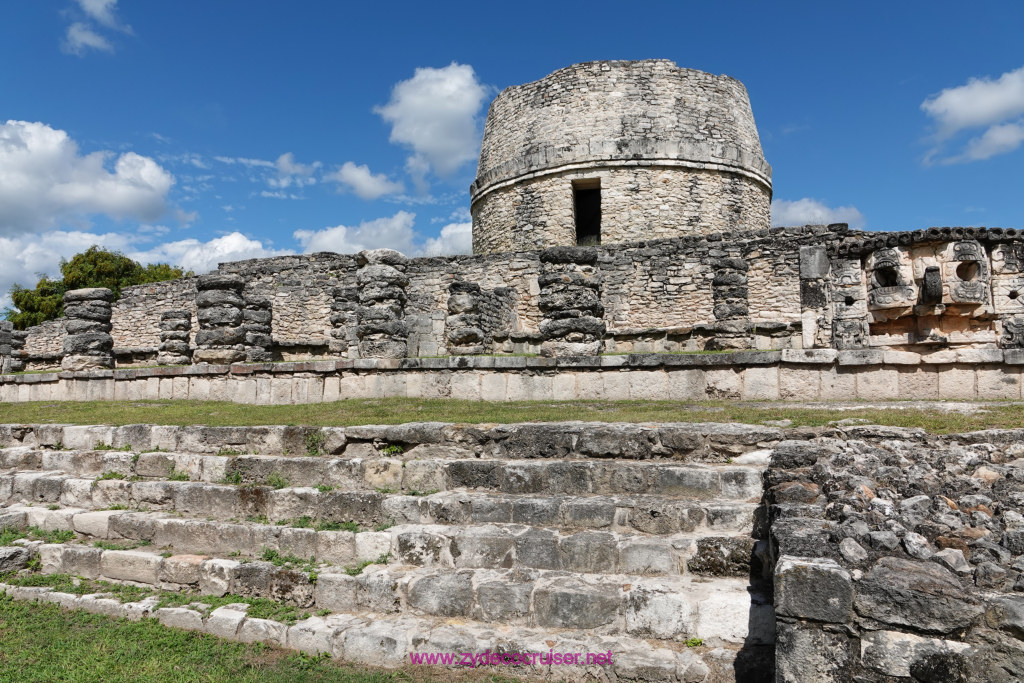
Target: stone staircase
[{"x": 402, "y": 547}]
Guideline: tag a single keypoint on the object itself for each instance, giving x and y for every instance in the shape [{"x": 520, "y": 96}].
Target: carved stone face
[
  {"x": 966, "y": 269},
  {"x": 891, "y": 283}
]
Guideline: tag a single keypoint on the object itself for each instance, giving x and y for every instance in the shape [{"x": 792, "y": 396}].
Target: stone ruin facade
[
  {"x": 619, "y": 207},
  {"x": 620, "y": 220}
]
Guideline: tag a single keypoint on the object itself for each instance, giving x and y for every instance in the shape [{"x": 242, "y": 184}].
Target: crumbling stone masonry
[
  {"x": 570, "y": 298},
  {"x": 257, "y": 322},
  {"x": 175, "y": 328},
  {"x": 221, "y": 335},
  {"x": 88, "y": 343},
  {"x": 383, "y": 332}
]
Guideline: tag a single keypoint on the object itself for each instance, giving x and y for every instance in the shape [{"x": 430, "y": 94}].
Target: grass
[
  {"x": 42, "y": 642},
  {"x": 400, "y": 410},
  {"x": 34, "y": 533}
]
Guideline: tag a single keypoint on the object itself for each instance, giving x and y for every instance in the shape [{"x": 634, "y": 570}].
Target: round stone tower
[{"x": 606, "y": 152}]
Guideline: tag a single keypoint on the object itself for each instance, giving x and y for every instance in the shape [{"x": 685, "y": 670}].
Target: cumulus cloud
[
  {"x": 29, "y": 256},
  {"x": 394, "y": 232},
  {"x": 994, "y": 104},
  {"x": 812, "y": 212},
  {"x": 44, "y": 179},
  {"x": 364, "y": 184},
  {"x": 26, "y": 257},
  {"x": 202, "y": 257},
  {"x": 435, "y": 114},
  {"x": 455, "y": 238},
  {"x": 291, "y": 172}
]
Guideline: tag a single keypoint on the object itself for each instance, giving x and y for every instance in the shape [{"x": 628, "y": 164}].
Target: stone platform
[{"x": 809, "y": 375}]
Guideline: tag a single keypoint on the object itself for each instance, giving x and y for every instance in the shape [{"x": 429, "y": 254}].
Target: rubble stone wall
[{"x": 898, "y": 555}]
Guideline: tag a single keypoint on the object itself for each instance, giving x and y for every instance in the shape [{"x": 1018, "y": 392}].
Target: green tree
[{"x": 94, "y": 267}]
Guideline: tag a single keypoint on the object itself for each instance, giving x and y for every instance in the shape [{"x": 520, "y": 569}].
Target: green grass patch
[
  {"x": 42, "y": 642},
  {"x": 400, "y": 410}
]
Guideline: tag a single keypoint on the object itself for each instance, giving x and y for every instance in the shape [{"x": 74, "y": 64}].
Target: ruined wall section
[
  {"x": 301, "y": 289},
  {"x": 676, "y": 150},
  {"x": 136, "y": 315}
]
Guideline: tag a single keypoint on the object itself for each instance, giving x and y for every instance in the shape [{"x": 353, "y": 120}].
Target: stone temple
[
  {"x": 609, "y": 152},
  {"x": 622, "y": 250}
]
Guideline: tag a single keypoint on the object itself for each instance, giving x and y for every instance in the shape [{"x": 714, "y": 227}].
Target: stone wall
[
  {"x": 136, "y": 315},
  {"x": 637, "y": 203},
  {"x": 898, "y": 556},
  {"x": 676, "y": 149}
]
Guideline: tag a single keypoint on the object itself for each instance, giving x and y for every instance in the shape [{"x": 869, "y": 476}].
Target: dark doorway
[{"x": 586, "y": 198}]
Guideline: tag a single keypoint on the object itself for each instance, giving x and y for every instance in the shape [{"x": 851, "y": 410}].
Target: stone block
[
  {"x": 131, "y": 565},
  {"x": 811, "y": 654},
  {"x": 761, "y": 383},
  {"x": 181, "y": 569},
  {"x": 810, "y": 356},
  {"x": 662, "y": 614},
  {"x": 957, "y": 381},
  {"x": 570, "y": 606},
  {"x": 448, "y": 595},
  {"x": 893, "y": 652},
  {"x": 875, "y": 384},
  {"x": 815, "y": 589},
  {"x": 1000, "y": 381},
  {"x": 225, "y": 622}
]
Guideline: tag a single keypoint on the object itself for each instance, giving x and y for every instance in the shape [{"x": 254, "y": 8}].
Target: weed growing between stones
[
  {"x": 276, "y": 481},
  {"x": 315, "y": 442}
]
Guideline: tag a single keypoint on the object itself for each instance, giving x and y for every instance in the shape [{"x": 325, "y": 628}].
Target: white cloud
[
  {"x": 26, "y": 257},
  {"x": 102, "y": 11},
  {"x": 202, "y": 257},
  {"x": 455, "y": 238},
  {"x": 435, "y": 114},
  {"x": 996, "y": 140},
  {"x": 44, "y": 179},
  {"x": 82, "y": 36},
  {"x": 363, "y": 183},
  {"x": 291, "y": 172},
  {"x": 812, "y": 212},
  {"x": 394, "y": 232},
  {"x": 980, "y": 103},
  {"x": 251, "y": 163},
  {"x": 79, "y": 39}
]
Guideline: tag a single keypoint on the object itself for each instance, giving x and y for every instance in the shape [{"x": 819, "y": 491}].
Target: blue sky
[{"x": 197, "y": 132}]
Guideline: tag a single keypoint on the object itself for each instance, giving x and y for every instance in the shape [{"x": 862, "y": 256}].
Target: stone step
[
  {"x": 377, "y": 639},
  {"x": 717, "y": 610},
  {"x": 646, "y": 514},
  {"x": 694, "y": 441},
  {"x": 671, "y": 479},
  {"x": 465, "y": 546}
]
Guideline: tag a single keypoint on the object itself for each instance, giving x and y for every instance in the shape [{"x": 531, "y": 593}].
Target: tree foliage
[{"x": 94, "y": 267}]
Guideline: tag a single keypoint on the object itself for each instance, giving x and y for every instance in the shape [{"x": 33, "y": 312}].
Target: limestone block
[
  {"x": 892, "y": 652},
  {"x": 662, "y": 614},
  {"x": 999, "y": 382},
  {"x": 761, "y": 383},
  {"x": 226, "y": 621},
  {"x": 957, "y": 381},
  {"x": 813, "y": 588},
  {"x": 878, "y": 383},
  {"x": 131, "y": 565},
  {"x": 180, "y": 617},
  {"x": 918, "y": 382}
]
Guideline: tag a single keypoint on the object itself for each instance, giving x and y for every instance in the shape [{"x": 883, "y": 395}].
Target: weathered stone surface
[
  {"x": 807, "y": 588},
  {"x": 921, "y": 595}
]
